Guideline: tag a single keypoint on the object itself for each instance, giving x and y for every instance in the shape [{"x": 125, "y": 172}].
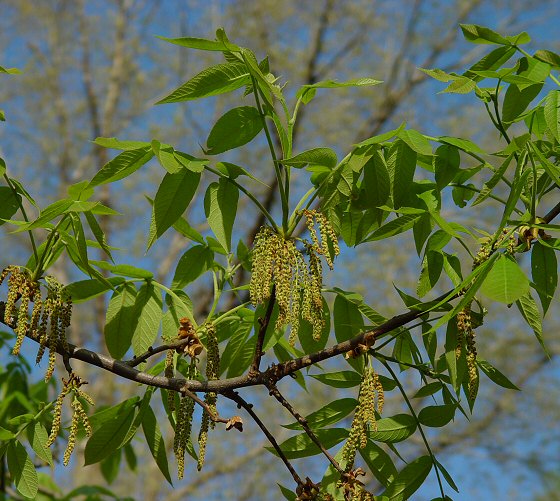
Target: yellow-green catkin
[
  {"x": 169, "y": 372},
  {"x": 466, "y": 331},
  {"x": 183, "y": 424},
  {"x": 79, "y": 414},
  {"x": 14, "y": 284},
  {"x": 364, "y": 416},
  {"x": 22, "y": 326}
]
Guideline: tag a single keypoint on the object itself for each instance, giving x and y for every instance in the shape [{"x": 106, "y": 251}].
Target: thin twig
[
  {"x": 241, "y": 403},
  {"x": 273, "y": 390}
]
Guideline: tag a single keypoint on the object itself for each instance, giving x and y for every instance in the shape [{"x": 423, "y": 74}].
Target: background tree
[{"x": 116, "y": 81}]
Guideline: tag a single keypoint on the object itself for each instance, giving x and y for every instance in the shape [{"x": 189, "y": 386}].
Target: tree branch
[{"x": 262, "y": 333}]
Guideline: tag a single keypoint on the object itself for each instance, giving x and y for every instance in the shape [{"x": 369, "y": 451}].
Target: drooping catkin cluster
[
  {"x": 72, "y": 385},
  {"x": 370, "y": 399},
  {"x": 466, "y": 335},
  {"x": 278, "y": 262},
  {"x": 50, "y": 318},
  {"x": 212, "y": 373},
  {"x": 183, "y": 424}
]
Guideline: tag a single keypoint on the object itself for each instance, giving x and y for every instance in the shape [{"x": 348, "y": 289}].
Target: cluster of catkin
[
  {"x": 72, "y": 385},
  {"x": 297, "y": 286},
  {"x": 184, "y": 412},
  {"x": 50, "y": 317},
  {"x": 370, "y": 399}
]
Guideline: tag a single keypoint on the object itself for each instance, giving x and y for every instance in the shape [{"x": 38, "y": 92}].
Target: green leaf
[
  {"x": 376, "y": 184},
  {"x": 432, "y": 265},
  {"x": 172, "y": 198},
  {"x": 233, "y": 129},
  {"x": 147, "y": 311},
  {"x": 408, "y": 480},
  {"x": 156, "y": 443},
  {"x": 446, "y": 164},
  {"x": 126, "y": 270},
  {"x": 38, "y": 438},
  {"x": 123, "y": 165},
  {"x": 463, "y": 144},
  {"x": 394, "y": 429},
  {"x": 491, "y": 61},
  {"x": 98, "y": 233},
  {"x": 517, "y": 99},
  {"x": 401, "y": 163},
  {"x": 460, "y": 85},
  {"x": 530, "y": 313},
  {"x": 107, "y": 414},
  {"x": 379, "y": 463},
  {"x": 9, "y": 203},
  {"x": 495, "y": 375},
  {"x": 416, "y": 141},
  {"x": 341, "y": 379},
  {"x": 220, "y": 207},
  {"x": 552, "y": 113},
  {"x": 307, "y": 92},
  {"x": 428, "y": 389},
  {"x": 305, "y": 332},
  {"x": 394, "y": 227},
  {"x": 348, "y": 322},
  {"x": 436, "y": 416},
  {"x": 193, "y": 263},
  {"x": 11, "y": 71},
  {"x": 493, "y": 181},
  {"x": 314, "y": 156},
  {"x": 110, "y": 466},
  {"x": 505, "y": 282},
  {"x": 212, "y": 81},
  {"x": 480, "y": 34},
  {"x": 544, "y": 267},
  {"x": 108, "y": 437},
  {"x": 22, "y": 470},
  {"x": 47, "y": 214},
  {"x": 327, "y": 415},
  {"x": 301, "y": 446},
  {"x": 117, "y": 144},
  {"x": 120, "y": 321},
  {"x": 201, "y": 44},
  {"x": 548, "y": 57}
]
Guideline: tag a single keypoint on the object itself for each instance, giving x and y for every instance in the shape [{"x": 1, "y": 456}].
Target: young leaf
[
  {"x": 401, "y": 163},
  {"x": 408, "y": 480},
  {"x": 120, "y": 321},
  {"x": 348, "y": 322},
  {"x": 155, "y": 442},
  {"x": 376, "y": 183},
  {"x": 379, "y": 463},
  {"x": 446, "y": 164},
  {"x": 436, "y": 416},
  {"x": 193, "y": 263},
  {"x": 38, "y": 438},
  {"x": 544, "y": 269},
  {"x": 301, "y": 446},
  {"x": 212, "y": 81},
  {"x": 394, "y": 227},
  {"x": 172, "y": 198},
  {"x": 147, "y": 312},
  {"x": 394, "y": 429},
  {"x": 342, "y": 379},
  {"x": 552, "y": 113},
  {"x": 220, "y": 206},
  {"x": 201, "y": 44},
  {"x": 495, "y": 375},
  {"x": 108, "y": 437},
  {"x": 122, "y": 165},
  {"x": 530, "y": 313},
  {"x": 314, "y": 156},
  {"x": 480, "y": 34},
  {"x": 517, "y": 98},
  {"x": 327, "y": 415},
  {"x": 22, "y": 470},
  {"x": 9, "y": 203},
  {"x": 307, "y": 92},
  {"x": 505, "y": 282},
  {"x": 233, "y": 129}
]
